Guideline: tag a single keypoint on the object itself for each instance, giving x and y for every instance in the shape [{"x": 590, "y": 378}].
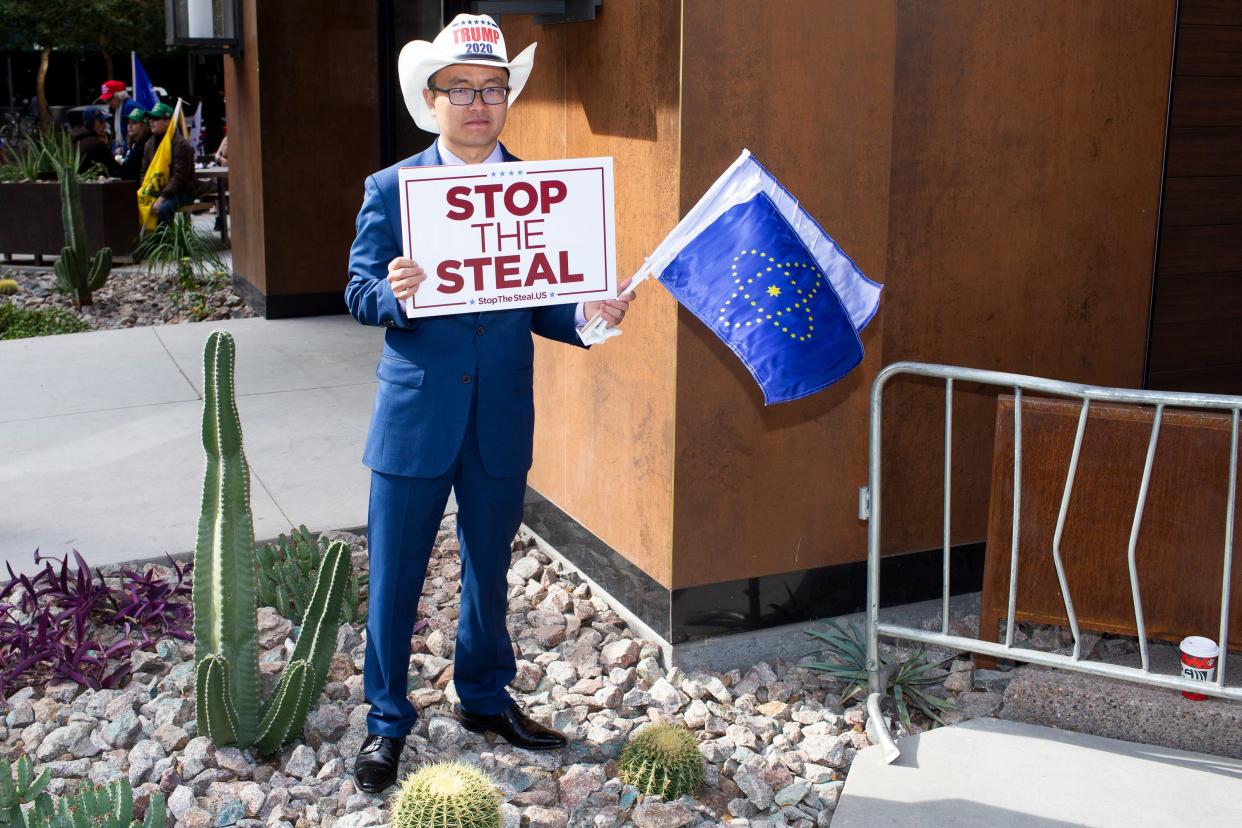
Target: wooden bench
[{"x": 1179, "y": 554}]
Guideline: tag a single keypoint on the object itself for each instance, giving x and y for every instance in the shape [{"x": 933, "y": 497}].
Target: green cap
[
  {"x": 161, "y": 110},
  {"x": 137, "y": 116}
]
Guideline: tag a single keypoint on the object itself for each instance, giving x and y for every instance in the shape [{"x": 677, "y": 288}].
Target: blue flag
[
  {"x": 754, "y": 267},
  {"x": 144, "y": 92}
]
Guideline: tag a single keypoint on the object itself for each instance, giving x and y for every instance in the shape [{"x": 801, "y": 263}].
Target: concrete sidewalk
[
  {"x": 990, "y": 772},
  {"x": 100, "y": 446}
]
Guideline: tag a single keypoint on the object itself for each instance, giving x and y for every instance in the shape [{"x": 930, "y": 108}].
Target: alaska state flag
[
  {"x": 754, "y": 267},
  {"x": 144, "y": 92}
]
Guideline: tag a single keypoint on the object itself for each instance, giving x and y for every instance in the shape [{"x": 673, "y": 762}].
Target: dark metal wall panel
[
  {"x": 1210, "y": 248},
  {"x": 319, "y": 108},
  {"x": 1206, "y": 200},
  {"x": 1198, "y": 151},
  {"x": 301, "y": 140},
  {"x": 1211, "y": 12},
  {"x": 1197, "y": 305},
  {"x": 242, "y": 107},
  {"x": 1200, "y": 325},
  {"x": 1208, "y": 102},
  {"x": 1210, "y": 50}
]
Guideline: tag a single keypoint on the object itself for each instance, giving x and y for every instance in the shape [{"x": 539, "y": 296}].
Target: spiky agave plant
[
  {"x": 27, "y": 158},
  {"x": 909, "y": 681},
  {"x": 447, "y": 795},
  {"x": 179, "y": 247},
  {"x": 663, "y": 759}
]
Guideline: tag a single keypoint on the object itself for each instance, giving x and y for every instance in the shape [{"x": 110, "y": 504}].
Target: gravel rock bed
[
  {"x": 776, "y": 742},
  {"x": 129, "y": 298}
]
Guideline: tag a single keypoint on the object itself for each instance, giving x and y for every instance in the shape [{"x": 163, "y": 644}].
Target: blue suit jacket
[{"x": 432, "y": 367}]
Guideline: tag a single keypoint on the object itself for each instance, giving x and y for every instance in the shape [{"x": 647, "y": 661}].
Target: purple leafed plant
[
  {"x": 151, "y": 603},
  {"x": 54, "y": 624}
]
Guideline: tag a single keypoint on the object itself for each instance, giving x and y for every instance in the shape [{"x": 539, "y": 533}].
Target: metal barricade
[{"x": 871, "y": 503}]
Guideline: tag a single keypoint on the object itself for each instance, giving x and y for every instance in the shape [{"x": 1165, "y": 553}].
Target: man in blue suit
[{"x": 454, "y": 409}]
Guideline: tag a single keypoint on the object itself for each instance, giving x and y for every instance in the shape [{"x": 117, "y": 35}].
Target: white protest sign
[{"x": 505, "y": 236}]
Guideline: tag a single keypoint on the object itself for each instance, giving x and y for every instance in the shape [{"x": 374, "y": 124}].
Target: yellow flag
[{"x": 157, "y": 174}]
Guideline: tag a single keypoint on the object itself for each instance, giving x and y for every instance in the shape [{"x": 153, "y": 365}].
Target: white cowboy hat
[{"x": 472, "y": 39}]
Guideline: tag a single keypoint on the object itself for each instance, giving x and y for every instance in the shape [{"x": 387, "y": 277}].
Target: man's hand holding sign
[{"x": 405, "y": 275}]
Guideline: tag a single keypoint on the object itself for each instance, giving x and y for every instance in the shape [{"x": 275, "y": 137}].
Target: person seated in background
[
  {"x": 92, "y": 141},
  {"x": 114, "y": 94},
  {"x": 222, "y": 152},
  {"x": 137, "y": 135},
  {"x": 179, "y": 190}
]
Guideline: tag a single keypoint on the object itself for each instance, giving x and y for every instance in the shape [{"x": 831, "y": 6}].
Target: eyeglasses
[{"x": 464, "y": 95}]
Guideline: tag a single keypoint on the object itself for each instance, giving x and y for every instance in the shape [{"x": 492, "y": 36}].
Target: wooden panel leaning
[{"x": 1180, "y": 550}]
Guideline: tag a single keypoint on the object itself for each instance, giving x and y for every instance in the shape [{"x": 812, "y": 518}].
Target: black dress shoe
[
  {"x": 375, "y": 767},
  {"x": 515, "y": 727}
]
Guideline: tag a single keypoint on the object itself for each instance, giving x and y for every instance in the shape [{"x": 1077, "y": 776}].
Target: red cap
[{"x": 110, "y": 88}]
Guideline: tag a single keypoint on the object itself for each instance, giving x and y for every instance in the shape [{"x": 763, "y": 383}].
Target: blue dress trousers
[{"x": 454, "y": 409}]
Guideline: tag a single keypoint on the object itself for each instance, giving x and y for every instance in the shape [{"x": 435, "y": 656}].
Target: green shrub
[
  {"x": 287, "y": 572},
  {"x": 663, "y": 760},
  {"x": 19, "y": 323},
  {"x": 447, "y": 795}
]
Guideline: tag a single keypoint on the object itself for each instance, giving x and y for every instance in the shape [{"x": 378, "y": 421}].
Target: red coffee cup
[{"x": 1199, "y": 656}]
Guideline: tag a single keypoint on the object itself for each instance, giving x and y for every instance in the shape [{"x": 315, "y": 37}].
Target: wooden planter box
[{"x": 32, "y": 223}]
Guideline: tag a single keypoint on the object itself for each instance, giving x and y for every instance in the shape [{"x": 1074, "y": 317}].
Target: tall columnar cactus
[
  {"x": 225, "y": 585},
  {"x": 663, "y": 759},
  {"x": 74, "y": 273},
  {"x": 447, "y": 795}
]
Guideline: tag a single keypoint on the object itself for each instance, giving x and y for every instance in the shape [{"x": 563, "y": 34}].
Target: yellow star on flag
[{"x": 774, "y": 291}]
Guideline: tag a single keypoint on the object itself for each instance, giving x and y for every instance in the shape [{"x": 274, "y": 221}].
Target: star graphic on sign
[{"x": 774, "y": 291}]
